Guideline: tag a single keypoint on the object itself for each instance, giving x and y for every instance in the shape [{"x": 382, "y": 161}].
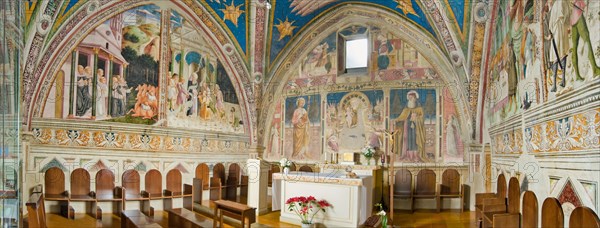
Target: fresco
[
  {"x": 354, "y": 120},
  {"x": 291, "y": 17},
  {"x": 232, "y": 15},
  {"x": 321, "y": 61},
  {"x": 393, "y": 59},
  {"x": 452, "y": 143},
  {"x": 302, "y": 131},
  {"x": 122, "y": 84},
  {"x": 540, "y": 51},
  {"x": 274, "y": 143},
  {"x": 413, "y": 116}
]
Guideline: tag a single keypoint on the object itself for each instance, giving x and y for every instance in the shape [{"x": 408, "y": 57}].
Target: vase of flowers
[
  {"x": 306, "y": 208},
  {"x": 285, "y": 163},
  {"x": 368, "y": 152}
]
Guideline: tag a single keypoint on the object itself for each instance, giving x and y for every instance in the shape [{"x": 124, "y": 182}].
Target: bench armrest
[
  {"x": 168, "y": 193},
  {"x": 479, "y": 197},
  {"x": 145, "y": 194},
  {"x": 187, "y": 189}
]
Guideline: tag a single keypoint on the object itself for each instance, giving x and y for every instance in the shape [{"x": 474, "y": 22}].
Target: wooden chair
[
  {"x": 152, "y": 189},
  {"x": 500, "y": 193},
  {"x": 215, "y": 188},
  {"x": 203, "y": 172},
  {"x": 552, "y": 213},
  {"x": 131, "y": 188},
  {"x": 36, "y": 208},
  {"x": 403, "y": 186},
  {"x": 174, "y": 190},
  {"x": 504, "y": 215},
  {"x": 107, "y": 192},
  {"x": 425, "y": 185},
  {"x": 530, "y": 210},
  {"x": 234, "y": 171},
  {"x": 274, "y": 169},
  {"x": 80, "y": 191},
  {"x": 306, "y": 168},
  {"x": 584, "y": 217},
  {"x": 451, "y": 188},
  {"x": 54, "y": 180},
  {"x": 244, "y": 189}
]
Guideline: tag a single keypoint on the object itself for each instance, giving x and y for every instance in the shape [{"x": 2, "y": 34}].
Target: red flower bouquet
[{"x": 306, "y": 207}]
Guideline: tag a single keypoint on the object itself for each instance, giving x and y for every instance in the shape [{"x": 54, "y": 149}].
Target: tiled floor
[{"x": 420, "y": 218}]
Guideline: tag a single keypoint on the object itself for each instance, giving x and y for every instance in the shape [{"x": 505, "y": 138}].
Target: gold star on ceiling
[
  {"x": 406, "y": 6},
  {"x": 232, "y": 13},
  {"x": 285, "y": 28}
]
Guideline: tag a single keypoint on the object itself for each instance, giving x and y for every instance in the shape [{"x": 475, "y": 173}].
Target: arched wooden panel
[
  {"x": 306, "y": 168},
  {"x": 174, "y": 181},
  {"x": 450, "y": 182},
  {"x": 530, "y": 210},
  {"x": 203, "y": 172},
  {"x": 501, "y": 186},
  {"x": 131, "y": 181},
  {"x": 552, "y": 213},
  {"x": 105, "y": 182},
  {"x": 54, "y": 181},
  {"x": 425, "y": 182},
  {"x": 403, "y": 182},
  {"x": 514, "y": 195},
  {"x": 153, "y": 183},
  {"x": 80, "y": 182},
  {"x": 219, "y": 172},
  {"x": 234, "y": 171},
  {"x": 293, "y": 167},
  {"x": 584, "y": 217}
]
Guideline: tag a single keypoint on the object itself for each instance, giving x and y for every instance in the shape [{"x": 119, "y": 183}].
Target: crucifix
[{"x": 390, "y": 135}]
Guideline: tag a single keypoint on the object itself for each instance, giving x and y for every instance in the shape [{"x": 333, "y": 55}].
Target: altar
[{"x": 351, "y": 198}]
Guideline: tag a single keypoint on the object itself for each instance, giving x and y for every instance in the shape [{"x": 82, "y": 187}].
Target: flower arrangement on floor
[
  {"x": 382, "y": 215},
  {"x": 306, "y": 207},
  {"x": 368, "y": 152}
]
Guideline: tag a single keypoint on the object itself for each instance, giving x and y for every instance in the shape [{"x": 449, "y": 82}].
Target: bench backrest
[
  {"x": 552, "y": 213},
  {"x": 234, "y": 171},
  {"x": 450, "y": 182},
  {"x": 514, "y": 195},
  {"x": 501, "y": 186},
  {"x": 105, "y": 182},
  {"x": 80, "y": 182},
  {"x": 530, "y": 210},
  {"x": 425, "y": 182},
  {"x": 153, "y": 183},
  {"x": 174, "y": 181},
  {"x": 584, "y": 217},
  {"x": 203, "y": 172},
  {"x": 219, "y": 172},
  {"x": 54, "y": 180},
  {"x": 131, "y": 181},
  {"x": 403, "y": 182}
]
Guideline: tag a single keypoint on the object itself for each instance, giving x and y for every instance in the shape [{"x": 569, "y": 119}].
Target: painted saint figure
[
  {"x": 579, "y": 29},
  {"x": 301, "y": 127},
  {"x": 410, "y": 140},
  {"x": 451, "y": 136},
  {"x": 84, "y": 98},
  {"x": 102, "y": 94}
]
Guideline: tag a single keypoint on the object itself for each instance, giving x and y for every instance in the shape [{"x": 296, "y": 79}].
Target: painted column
[
  {"x": 163, "y": 68},
  {"x": 74, "y": 57},
  {"x": 95, "y": 82},
  {"x": 108, "y": 75}
]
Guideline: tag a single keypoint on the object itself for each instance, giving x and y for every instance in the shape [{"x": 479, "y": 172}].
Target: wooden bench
[
  {"x": 425, "y": 186},
  {"x": 584, "y": 217},
  {"x": 451, "y": 188},
  {"x": 504, "y": 215},
  {"x": 174, "y": 190},
  {"x": 233, "y": 210},
  {"x": 403, "y": 186},
  {"x": 135, "y": 218},
  {"x": 36, "y": 209},
  {"x": 181, "y": 217},
  {"x": 499, "y": 197}
]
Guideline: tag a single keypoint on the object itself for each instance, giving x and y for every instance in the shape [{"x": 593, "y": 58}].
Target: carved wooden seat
[
  {"x": 175, "y": 190},
  {"x": 36, "y": 208},
  {"x": 481, "y": 197},
  {"x": 403, "y": 186},
  {"x": 451, "y": 188},
  {"x": 530, "y": 210},
  {"x": 233, "y": 182},
  {"x": 54, "y": 180},
  {"x": 584, "y": 217},
  {"x": 153, "y": 185},
  {"x": 425, "y": 186},
  {"x": 107, "y": 192},
  {"x": 552, "y": 213},
  {"x": 504, "y": 215},
  {"x": 203, "y": 172},
  {"x": 131, "y": 185},
  {"x": 80, "y": 191},
  {"x": 306, "y": 168}
]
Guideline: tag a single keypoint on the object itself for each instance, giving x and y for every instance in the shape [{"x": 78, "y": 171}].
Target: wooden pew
[
  {"x": 215, "y": 188},
  {"x": 306, "y": 168},
  {"x": 584, "y": 217},
  {"x": 152, "y": 189},
  {"x": 234, "y": 210},
  {"x": 202, "y": 172},
  {"x": 552, "y": 213},
  {"x": 530, "y": 210},
  {"x": 54, "y": 180},
  {"x": 182, "y": 217},
  {"x": 131, "y": 188},
  {"x": 508, "y": 215},
  {"x": 403, "y": 186},
  {"x": 481, "y": 197},
  {"x": 80, "y": 191},
  {"x": 135, "y": 218},
  {"x": 425, "y": 185},
  {"x": 451, "y": 188},
  {"x": 106, "y": 191},
  {"x": 174, "y": 190},
  {"x": 36, "y": 209}
]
